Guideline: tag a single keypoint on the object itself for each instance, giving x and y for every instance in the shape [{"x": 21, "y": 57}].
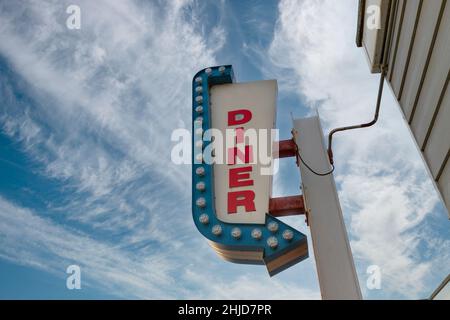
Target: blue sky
[{"x": 85, "y": 123}]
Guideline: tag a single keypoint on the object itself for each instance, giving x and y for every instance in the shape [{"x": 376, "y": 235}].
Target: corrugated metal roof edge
[{"x": 440, "y": 287}]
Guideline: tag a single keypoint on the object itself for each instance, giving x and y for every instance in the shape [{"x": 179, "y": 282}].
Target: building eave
[{"x": 360, "y": 26}]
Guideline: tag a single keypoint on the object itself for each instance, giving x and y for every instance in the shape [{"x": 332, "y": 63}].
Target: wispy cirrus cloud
[
  {"x": 94, "y": 109},
  {"x": 30, "y": 240},
  {"x": 103, "y": 99}
]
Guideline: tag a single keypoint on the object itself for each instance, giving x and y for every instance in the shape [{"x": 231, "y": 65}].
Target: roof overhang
[
  {"x": 374, "y": 39},
  {"x": 360, "y": 27}
]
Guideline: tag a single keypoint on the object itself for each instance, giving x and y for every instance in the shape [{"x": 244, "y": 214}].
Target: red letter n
[{"x": 246, "y": 156}]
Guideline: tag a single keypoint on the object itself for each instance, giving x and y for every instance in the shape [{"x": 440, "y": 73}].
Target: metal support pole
[{"x": 334, "y": 260}]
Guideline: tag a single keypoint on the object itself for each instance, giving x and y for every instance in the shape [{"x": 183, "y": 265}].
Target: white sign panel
[{"x": 239, "y": 111}]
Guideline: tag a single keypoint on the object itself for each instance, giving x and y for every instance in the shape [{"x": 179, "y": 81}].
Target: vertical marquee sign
[{"x": 230, "y": 200}]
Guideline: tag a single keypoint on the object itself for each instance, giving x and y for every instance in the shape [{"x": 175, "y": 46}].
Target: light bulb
[
  {"x": 199, "y": 109},
  {"x": 216, "y": 230},
  {"x": 200, "y": 171},
  {"x": 272, "y": 226},
  {"x": 204, "y": 218},
  {"x": 256, "y": 233},
  {"x": 272, "y": 242},
  {"x": 200, "y": 186},
  {"x": 236, "y": 233},
  {"x": 288, "y": 235},
  {"x": 201, "y": 202}
]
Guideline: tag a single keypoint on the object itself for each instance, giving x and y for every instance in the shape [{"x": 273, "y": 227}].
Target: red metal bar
[
  {"x": 287, "y": 206},
  {"x": 286, "y": 149}
]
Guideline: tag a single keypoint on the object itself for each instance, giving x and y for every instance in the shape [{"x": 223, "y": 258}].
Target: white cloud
[
  {"x": 30, "y": 240},
  {"x": 384, "y": 189},
  {"x": 249, "y": 287},
  {"x": 106, "y": 96}
]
